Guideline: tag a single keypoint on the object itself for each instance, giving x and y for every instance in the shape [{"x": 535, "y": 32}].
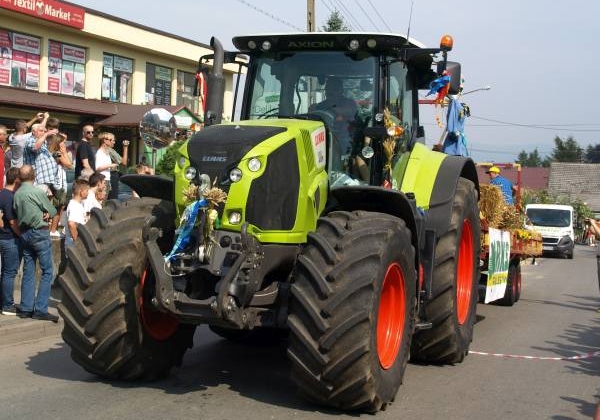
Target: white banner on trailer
[{"x": 498, "y": 264}]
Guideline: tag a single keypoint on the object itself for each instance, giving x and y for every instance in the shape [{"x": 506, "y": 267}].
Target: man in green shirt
[{"x": 34, "y": 211}]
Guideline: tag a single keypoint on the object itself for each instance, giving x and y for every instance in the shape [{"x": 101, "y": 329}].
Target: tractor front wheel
[
  {"x": 111, "y": 325},
  {"x": 352, "y": 310}
]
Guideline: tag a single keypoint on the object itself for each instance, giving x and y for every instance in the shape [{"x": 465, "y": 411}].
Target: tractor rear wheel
[
  {"x": 109, "y": 321},
  {"x": 352, "y": 310},
  {"x": 452, "y": 306},
  {"x": 513, "y": 286}
]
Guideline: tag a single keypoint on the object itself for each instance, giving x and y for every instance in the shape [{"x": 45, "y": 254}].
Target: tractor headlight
[
  {"x": 190, "y": 173},
  {"x": 353, "y": 45},
  {"x": 235, "y": 217},
  {"x": 235, "y": 175},
  {"x": 181, "y": 161},
  {"x": 254, "y": 164},
  {"x": 266, "y": 45}
]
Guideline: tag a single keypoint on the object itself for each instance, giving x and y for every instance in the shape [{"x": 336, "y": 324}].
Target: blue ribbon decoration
[
  {"x": 185, "y": 230},
  {"x": 438, "y": 84}
]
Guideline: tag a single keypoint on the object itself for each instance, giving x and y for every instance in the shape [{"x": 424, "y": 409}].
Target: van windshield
[{"x": 549, "y": 217}]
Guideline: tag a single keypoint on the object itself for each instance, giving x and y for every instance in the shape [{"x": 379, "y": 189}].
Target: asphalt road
[{"x": 556, "y": 318}]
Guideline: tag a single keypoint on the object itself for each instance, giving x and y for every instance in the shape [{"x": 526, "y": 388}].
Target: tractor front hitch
[{"x": 226, "y": 308}]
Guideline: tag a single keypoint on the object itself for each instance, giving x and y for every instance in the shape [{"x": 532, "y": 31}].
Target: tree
[
  {"x": 335, "y": 23},
  {"x": 166, "y": 164},
  {"x": 531, "y": 159},
  {"x": 592, "y": 153},
  {"x": 566, "y": 150}
]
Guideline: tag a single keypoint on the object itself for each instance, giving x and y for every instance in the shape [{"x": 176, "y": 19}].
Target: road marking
[{"x": 517, "y": 356}]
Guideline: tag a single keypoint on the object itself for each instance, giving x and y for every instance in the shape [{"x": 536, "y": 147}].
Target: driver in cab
[{"x": 343, "y": 110}]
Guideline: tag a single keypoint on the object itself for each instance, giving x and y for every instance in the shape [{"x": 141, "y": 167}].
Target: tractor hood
[{"x": 218, "y": 148}]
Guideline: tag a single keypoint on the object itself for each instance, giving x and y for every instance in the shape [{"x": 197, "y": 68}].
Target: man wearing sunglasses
[{"x": 85, "y": 158}]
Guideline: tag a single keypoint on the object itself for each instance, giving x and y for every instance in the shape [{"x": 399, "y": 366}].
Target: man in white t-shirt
[{"x": 75, "y": 211}]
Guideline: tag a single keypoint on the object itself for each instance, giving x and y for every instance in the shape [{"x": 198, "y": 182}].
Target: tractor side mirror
[
  {"x": 453, "y": 69},
  {"x": 158, "y": 128}
]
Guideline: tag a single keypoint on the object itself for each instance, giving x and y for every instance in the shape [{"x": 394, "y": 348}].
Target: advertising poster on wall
[
  {"x": 67, "y": 80},
  {"x": 54, "y": 66},
  {"x": 162, "y": 86},
  {"x": 74, "y": 54},
  {"x": 78, "y": 80},
  {"x": 32, "y": 81},
  {"x": 26, "y": 43},
  {"x": 107, "y": 73},
  {"x": 5, "y": 57},
  {"x": 18, "y": 72}
]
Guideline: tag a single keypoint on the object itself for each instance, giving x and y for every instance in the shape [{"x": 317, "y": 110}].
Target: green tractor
[{"x": 338, "y": 228}]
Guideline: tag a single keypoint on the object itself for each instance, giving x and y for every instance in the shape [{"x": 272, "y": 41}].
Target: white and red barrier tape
[{"x": 517, "y": 356}]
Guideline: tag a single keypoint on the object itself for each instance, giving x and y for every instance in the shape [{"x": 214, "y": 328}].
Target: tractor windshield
[{"x": 335, "y": 87}]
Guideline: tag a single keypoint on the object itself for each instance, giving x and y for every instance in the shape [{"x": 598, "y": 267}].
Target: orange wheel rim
[
  {"x": 464, "y": 273},
  {"x": 391, "y": 316},
  {"x": 159, "y": 325}
]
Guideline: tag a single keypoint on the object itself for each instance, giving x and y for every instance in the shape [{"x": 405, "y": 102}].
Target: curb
[{"x": 17, "y": 330}]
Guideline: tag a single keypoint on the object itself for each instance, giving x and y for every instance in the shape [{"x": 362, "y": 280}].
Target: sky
[{"x": 538, "y": 57}]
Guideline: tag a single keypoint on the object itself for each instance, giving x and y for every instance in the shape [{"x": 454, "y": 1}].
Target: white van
[{"x": 555, "y": 223}]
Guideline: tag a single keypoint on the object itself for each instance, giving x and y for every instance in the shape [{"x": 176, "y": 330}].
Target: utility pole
[{"x": 310, "y": 16}]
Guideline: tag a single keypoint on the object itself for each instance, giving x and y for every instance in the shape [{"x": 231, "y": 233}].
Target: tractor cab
[{"x": 363, "y": 87}]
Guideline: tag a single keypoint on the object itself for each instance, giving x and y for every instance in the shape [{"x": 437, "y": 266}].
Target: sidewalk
[{"x": 14, "y": 330}]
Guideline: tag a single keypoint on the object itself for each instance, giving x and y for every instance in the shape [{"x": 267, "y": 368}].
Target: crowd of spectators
[{"x": 35, "y": 208}]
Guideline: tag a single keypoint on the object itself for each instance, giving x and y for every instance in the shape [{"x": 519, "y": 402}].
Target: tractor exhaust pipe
[{"x": 216, "y": 86}]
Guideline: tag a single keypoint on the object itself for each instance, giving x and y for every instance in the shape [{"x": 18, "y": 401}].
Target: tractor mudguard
[
  {"x": 376, "y": 199},
  {"x": 150, "y": 186},
  {"x": 440, "y": 204},
  {"x": 432, "y": 177}
]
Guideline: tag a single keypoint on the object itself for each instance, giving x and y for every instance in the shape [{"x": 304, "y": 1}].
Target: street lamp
[{"x": 476, "y": 90}]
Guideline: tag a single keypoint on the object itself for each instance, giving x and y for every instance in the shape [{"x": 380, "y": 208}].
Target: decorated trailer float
[{"x": 504, "y": 244}]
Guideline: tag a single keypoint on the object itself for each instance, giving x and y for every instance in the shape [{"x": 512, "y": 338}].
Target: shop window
[
  {"x": 158, "y": 84},
  {"x": 19, "y": 60},
  {"x": 66, "y": 69},
  {"x": 185, "y": 91},
  {"x": 116, "y": 78}
]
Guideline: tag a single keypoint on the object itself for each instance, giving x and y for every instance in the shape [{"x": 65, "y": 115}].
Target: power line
[
  {"x": 538, "y": 126},
  {"x": 380, "y": 17},
  {"x": 366, "y": 14},
  {"x": 502, "y": 152},
  {"x": 343, "y": 9},
  {"x": 275, "y": 18},
  {"x": 327, "y": 6},
  {"x": 535, "y": 126}
]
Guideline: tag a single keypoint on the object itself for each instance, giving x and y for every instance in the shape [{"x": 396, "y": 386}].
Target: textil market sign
[{"x": 52, "y": 10}]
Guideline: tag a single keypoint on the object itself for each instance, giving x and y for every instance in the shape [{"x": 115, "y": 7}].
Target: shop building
[{"x": 84, "y": 66}]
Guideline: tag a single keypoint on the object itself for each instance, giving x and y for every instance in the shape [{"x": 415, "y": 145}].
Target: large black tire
[
  {"x": 570, "y": 253},
  {"x": 519, "y": 278},
  {"x": 109, "y": 322},
  {"x": 513, "y": 286},
  {"x": 352, "y": 311},
  {"x": 452, "y": 306}
]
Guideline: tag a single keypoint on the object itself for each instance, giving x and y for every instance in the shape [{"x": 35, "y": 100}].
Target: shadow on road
[
  {"x": 254, "y": 369},
  {"x": 585, "y": 408},
  {"x": 591, "y": 305}
]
